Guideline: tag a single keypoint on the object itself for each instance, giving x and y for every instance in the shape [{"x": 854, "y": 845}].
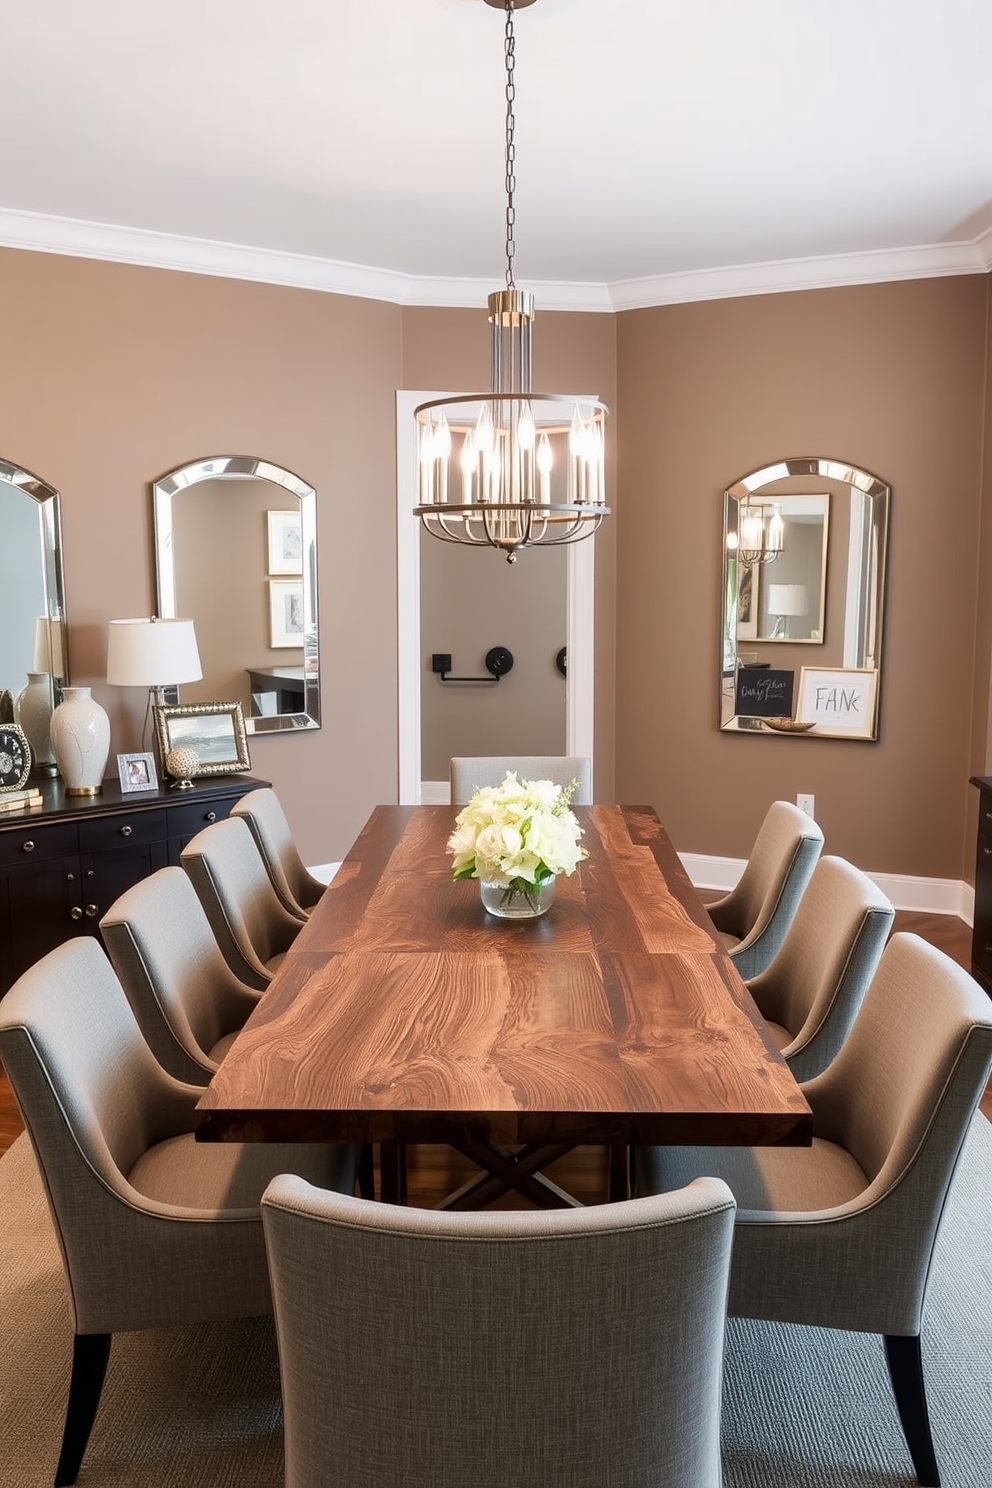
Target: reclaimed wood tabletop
[{"x": 405, "y": 1013}]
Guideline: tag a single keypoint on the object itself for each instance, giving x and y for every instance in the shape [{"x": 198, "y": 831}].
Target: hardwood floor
[{"x": 436, "y": 1171}]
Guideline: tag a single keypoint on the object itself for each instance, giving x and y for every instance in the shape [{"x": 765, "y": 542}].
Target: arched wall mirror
[
  {"x": 33, "y": 645},
  {"x": 804, "y": 547},
  {"x": 236, "y": 552}
]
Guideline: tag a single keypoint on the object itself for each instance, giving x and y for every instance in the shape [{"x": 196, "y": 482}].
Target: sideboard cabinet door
[{"x": 62, "y": 867}]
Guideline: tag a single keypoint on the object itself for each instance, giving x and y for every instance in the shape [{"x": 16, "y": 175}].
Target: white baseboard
[
  {"x": 324, "y": 871},
  {"x": 926, "y": 895}
]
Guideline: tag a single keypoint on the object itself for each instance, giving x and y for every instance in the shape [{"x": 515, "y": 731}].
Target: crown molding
[
  {"x": 939, "y": 260},
  {"x": 73, "y": 238}
]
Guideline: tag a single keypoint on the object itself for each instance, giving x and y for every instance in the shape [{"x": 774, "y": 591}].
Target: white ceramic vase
[
  {"x": 81, "y": 739},
  {"x": 33, "y": 711}
]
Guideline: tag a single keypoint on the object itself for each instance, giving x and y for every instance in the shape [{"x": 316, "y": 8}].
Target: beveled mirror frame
[
  {"x": 53, "y": 575},
  {"x": 855, "y": 606},
  {"x": 248, "y": 467}
]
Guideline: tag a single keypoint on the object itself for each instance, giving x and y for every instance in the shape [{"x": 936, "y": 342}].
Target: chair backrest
[
  {"x": 93, "y": 1099},
  {"x": 815, "y": 984},
  {"x": 468, "y": 771},
  {"x": 760, "y": 908},
  {"x": 249, "y": 921},
  {"x": 297, "y": 889},
  {"x": 182, "y": 992},
  {"x": 899, "y": 1097},
  {"x": 566, "y": 1347}
]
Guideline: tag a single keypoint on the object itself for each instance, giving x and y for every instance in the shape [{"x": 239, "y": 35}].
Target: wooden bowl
[{"x": 787, "y": 725}]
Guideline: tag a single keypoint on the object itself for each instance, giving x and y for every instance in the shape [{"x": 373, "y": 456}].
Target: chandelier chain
[{"x": 509, "y": 50}]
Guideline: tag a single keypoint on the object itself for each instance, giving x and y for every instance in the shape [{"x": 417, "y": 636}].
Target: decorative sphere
[{"x": 183, "y": 762}]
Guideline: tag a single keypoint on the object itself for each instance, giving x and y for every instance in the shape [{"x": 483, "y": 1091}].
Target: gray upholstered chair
[
  {"x": 841, "y": 1235},
  {"x": 297, "y": 888},
  {"x": 753, "y": 918},
  {"x": 252, "y": 927},
  {"x": 189, "y": 1004},
  {"x": 155, "y": 1228},
  {"x": 565, "y": 1348},
  {"x": 468, "y": 771},
  {"x": 810, "y": 994}
]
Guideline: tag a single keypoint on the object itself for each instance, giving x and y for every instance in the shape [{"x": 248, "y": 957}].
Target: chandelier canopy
[{"x": 529, "y": 467}]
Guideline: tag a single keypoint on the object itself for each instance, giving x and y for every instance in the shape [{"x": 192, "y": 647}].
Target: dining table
[{"x": 405, "y": 1013}]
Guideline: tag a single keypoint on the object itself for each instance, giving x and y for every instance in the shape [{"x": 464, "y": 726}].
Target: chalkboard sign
[{"x": 764, "y": 693}]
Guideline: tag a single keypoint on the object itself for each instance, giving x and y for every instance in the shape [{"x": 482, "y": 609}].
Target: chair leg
[
  {"x": 366, "y": 1171},
  {"x": 90, "y": 1352},
  {"x": 906, "y": 1373}
]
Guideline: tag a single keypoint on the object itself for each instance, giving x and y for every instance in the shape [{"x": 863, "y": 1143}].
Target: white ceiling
[{"x": 666, "y": 149}]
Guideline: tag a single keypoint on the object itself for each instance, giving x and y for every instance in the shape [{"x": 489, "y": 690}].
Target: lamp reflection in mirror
[
  {"x": 785, "y": 600},
  {"x": 152, "y": 653}
]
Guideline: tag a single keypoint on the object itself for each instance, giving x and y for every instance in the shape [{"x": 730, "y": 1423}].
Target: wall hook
[{"x": 499, "y": 661}]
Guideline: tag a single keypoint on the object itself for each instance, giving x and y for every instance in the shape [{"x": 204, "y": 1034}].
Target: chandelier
[
  {"x": 760, "y": 533},
  {"x": 511, "y": 468}
]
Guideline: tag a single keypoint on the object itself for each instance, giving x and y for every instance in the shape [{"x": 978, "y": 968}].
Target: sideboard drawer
[
  {"x": 33, "y": 839},
  {"x": 187, "y": 820},
  {"x": 120, "y": 831}
]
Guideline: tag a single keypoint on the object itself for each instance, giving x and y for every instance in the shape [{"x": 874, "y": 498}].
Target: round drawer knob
[
  {"x": 211, "y": 816},
  {"x": 92, "y": 910},
  {"x": 27, "y": 846},
  {"x": 75, "y": 913},
  {"x": 126, "y": 831}
]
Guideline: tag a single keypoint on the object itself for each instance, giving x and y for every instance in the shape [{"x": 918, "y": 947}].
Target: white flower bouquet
[{"x": 517, "y": 835}]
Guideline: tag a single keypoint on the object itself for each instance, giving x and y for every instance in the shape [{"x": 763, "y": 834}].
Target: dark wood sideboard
[
  {"x": 62, "y": 865},
  {"x": 981, "y": 935}
]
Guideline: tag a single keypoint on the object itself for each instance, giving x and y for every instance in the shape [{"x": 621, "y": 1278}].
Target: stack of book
[{"x": 20, "y": 800}]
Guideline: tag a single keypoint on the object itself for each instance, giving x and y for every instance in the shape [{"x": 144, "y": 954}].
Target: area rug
[{"x": 199, "y": 1407}]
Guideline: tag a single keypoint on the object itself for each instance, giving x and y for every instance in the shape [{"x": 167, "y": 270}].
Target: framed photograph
[
  {"x": 840, "y": 701},
  {"x": 285, "y": 542},
  {"x": 137, "y": 773},
  {"x": 747, "y": 602},
  {"x": 215, "y": 730},
  {"x": 286, "y": 612}
]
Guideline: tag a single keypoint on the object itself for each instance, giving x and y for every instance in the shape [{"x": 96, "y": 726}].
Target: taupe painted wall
[
  {"x": 122, "y": 374},
  {"x": 889, "y": 377},
  {"x": 470, "y": 600}
]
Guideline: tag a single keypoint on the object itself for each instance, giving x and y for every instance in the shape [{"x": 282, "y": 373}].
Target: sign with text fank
[{"x": 763, "y": 692}]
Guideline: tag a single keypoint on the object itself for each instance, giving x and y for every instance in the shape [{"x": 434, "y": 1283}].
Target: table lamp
[
  {"x": 154, "y": 654},
  {"x": 785, "y": 600}
]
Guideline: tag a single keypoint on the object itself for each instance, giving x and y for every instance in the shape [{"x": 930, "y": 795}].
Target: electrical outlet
[
  {"x": 805, "y": 803},
  {"x": 441, "y": 661}
]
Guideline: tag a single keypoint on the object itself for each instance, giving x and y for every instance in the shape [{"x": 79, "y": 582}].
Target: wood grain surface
[{"x": 405, "y": 1012}]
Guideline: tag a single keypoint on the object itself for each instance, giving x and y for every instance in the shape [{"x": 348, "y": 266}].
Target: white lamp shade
[
  {"x": 787, "y": 599},
  {"x": 152, "y": 653},
  {"x": 48, "y": 645}
]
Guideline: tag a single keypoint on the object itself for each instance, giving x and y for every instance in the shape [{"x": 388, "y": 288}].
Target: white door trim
[{"x": 580, "y": 631}]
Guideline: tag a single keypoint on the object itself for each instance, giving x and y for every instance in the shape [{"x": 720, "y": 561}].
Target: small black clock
[{"x": 15, "y": 757}]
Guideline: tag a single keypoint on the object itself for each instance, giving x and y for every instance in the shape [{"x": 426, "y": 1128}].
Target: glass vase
[{"x": 508, "y": 903}]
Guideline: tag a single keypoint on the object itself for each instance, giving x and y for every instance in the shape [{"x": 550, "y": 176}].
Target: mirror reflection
[
  {"x": 236, "y": 552},
  {"x": 804, "y": 558},
  {"x": 33, "y": 657}
]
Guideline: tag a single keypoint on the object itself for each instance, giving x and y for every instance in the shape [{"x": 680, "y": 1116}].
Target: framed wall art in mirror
[
  {"x": 804, "y": 550},
  {"x": 34, "y": 660},
  {"x": 222, "y": 526}
]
